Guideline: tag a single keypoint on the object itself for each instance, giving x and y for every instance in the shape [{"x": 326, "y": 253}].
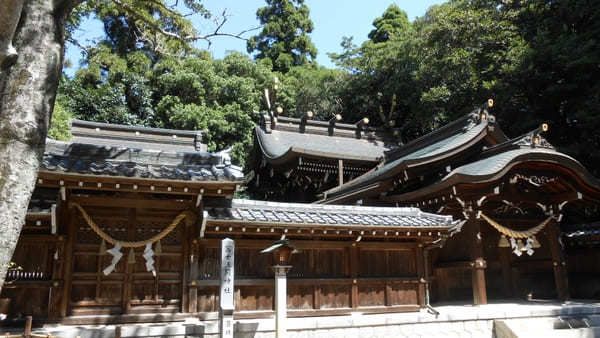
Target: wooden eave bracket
[
  {"x": 88, "y": 182},
  {"x": 379, "y": 232}
]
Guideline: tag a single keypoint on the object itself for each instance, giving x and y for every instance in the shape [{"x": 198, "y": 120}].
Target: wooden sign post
[{"x": 226, "y": 304}]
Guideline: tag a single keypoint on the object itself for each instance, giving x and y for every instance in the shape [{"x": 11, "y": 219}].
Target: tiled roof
[
  {"x": 115, "y": 135},
  {"x": 261, "y": 212},
  {"x": 495, "y": 160},
  {"x": 494, "y": 164},
  {"x": 94, "y": 159},
  {"x": 459, "y": 135},
  {"x": 279, "y": 143}
]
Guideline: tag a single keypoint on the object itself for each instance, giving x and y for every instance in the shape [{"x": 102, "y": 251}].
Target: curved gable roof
[
  {"x": 493, "y": 167},
  {"x": 443, "y": 143},
  {"x": 279, "y": 146}
]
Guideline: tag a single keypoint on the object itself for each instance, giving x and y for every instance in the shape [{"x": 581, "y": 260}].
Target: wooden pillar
[
  {"x": 505, "y": 264},
  {"x": 316, "y": 297},
  {"x": 128, "y": 276},
  {"x": 28, "y": 324},
  {"x": 68, "y": 265},
  {"x": 558, "y": 261},
  {"x": 477, "y": 262},
  {"x": 192, "y": 288},
  {"x": 354, "y": 264},
  {"x": 419, "y": 256},
  {"x": 186, "y": 238},
  {"x": 340, "y": 172},
  {"x": 57, "y": 290}
]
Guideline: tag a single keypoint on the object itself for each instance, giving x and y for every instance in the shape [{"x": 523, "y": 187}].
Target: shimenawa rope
[
  {"x": 130, "y": 244},
  {"x": 516, "y": 234}
]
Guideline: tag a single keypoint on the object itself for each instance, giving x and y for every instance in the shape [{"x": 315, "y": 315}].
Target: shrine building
[{"x": 125, "y": 223}]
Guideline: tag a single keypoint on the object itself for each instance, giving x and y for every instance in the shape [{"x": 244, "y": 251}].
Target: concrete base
[
  {"x": 453, "y": 321},
  {"x": 567, "y": 327}
]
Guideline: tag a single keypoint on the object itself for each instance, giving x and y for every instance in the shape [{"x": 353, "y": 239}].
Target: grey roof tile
[
  {"x": 461, "y": 137},
  {"x": 494, "y": 164},
  {"x": 116, "y": 135},
  {"x": 93, "y": 159},
  {"x": 278, "y": 143},
  {"x": 330, "y": 215}
]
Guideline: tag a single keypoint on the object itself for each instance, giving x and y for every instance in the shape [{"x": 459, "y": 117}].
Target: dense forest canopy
[{"x": 537, "y": 59}]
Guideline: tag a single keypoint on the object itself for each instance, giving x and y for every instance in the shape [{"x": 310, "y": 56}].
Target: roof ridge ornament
[
  {"x": 360, "y": 125},
  {"x": 534, "y": 139},
  {"x": 332, "y": 121},
  {"x": 304, "y": 119},
  {"x": 481, "y": 114}
]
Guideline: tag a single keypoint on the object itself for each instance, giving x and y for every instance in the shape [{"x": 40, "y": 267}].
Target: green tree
[
  {"x": 60, "y": 128},
  {"x": 380, "y": 81},
  {"x": 30, "y": 74},
  {"x": 284, "y": 38},
  {"x": 311, "y": 88},
  {"x": 556, "y": 78},
  {"x": 393, "y": 22},
  {"x": 193, "y": 92},
  {"x": 469, "y": 46},
  {"x": 128, "y": 81}
]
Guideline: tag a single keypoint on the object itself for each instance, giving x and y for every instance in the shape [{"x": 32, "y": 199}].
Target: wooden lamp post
[{"x": 282, "y": 252}]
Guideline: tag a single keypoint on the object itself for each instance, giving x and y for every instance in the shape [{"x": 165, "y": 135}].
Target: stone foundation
[{"x": 453, "y": 321}]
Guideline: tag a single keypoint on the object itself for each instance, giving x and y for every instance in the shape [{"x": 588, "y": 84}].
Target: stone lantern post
[{"x": 282, "y": 253}]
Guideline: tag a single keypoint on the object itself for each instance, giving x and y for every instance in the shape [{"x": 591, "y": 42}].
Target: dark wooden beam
[
  {"x": 185, "y": 238},
  {"x": 68, "y": 269},
  {"x": 558, "y": 261},
  {"x": 118, "y": 183},
  {"x": 478, "y": 261},
  {"x": 128, "y": 282},
  {"x": 505, "y": 257},
  {"x": 421, "y": 273},
  {"x": 139, "y": 203},
  {"x": 354, "y": 264},
  {"x": 310, "y": 244}
]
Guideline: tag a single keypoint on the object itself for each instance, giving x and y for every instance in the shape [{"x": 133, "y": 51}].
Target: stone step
[{"x": 567, "y": 327}]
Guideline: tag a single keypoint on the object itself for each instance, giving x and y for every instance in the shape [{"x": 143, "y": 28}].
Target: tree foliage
[
  {"x": 311, "y": 88},
  {"x": 130, "y": 78},
  {"x": 393, "y": 23},
  {"x": 197, "y": 93},
  {"x": 537, "y": 58},
  {"x": 284, "y": 38}
]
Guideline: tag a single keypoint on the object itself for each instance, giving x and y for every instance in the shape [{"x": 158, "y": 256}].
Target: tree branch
[
  {"x": 78, "y": 45},
  {"x": 188, "y": 38}
]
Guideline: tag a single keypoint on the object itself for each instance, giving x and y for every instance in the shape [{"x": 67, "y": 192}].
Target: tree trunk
[{"x": 27, "y": 93}]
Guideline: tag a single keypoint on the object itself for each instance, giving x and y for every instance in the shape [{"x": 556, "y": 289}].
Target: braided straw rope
[
  {"x": 129, "y": 244},
  {"x": 516, "y": 234}
]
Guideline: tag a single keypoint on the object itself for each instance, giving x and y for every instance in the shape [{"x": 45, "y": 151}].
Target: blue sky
[{"x": 333, "y": 19}]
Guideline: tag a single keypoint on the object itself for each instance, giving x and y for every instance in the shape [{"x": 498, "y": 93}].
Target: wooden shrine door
[{"x": 129, "y": 289}]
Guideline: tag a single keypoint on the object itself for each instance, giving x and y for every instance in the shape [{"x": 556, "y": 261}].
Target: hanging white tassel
[
  {"x": 148, "y": 253},
  {"x": 116, "y": 253},
  {"x": 529, "y": 246},
  {"x": 515, "y": 247}
]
